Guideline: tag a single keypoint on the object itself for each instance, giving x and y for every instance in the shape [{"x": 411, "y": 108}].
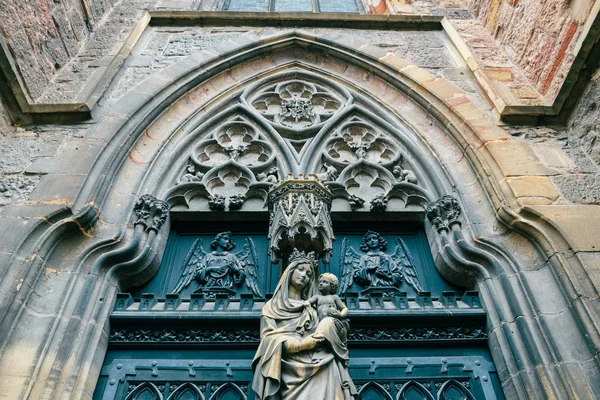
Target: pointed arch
[
  {"x": 186, "y": 391},
  {"x": 373, "y": 391},
  {"x": 413, "y": 390},
  {"x": 145, "y": 133},
  {"x": 145, "y": 391},
  {"x": 454, "y": 390},
  {"x": 228, "y": 391}
]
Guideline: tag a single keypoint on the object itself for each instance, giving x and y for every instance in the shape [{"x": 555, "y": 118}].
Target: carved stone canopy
[{"x": 300, "y": 218}]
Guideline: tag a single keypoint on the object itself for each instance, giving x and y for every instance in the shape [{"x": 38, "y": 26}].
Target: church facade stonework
[{"x": 150, "y": 222}]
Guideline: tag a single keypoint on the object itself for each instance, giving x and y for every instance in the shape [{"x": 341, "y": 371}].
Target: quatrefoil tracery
[
  {"x": 296, "y": 103},
  {"x": 280, "y": 121},
  {"x": 359, "y": 141},
  {"x": 235, "y": 141}
]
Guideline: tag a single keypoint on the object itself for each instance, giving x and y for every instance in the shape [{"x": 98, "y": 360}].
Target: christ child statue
[{"x": 332, "y": 313}]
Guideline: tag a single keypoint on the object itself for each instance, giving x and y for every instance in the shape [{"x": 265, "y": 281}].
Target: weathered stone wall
[
  {"x": 42, "y": 36},
  {"x": 540, "y": 36},
  {"x": 581, "y": 140},
  {"x": 6, "y": 128}
]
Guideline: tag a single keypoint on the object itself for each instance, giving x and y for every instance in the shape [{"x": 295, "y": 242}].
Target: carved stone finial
[
  {"x": 300, "y": 218},
  {"x": 444, "y": 212},
  {"x": 150, "y": 212}
]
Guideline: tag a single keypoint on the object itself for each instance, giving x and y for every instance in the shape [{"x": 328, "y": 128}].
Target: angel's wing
[
  {"x": 349, "y": 263},
  {"x": 249, "y": 262},
  {"x": 407, "y": 265},
  {"x": 193, "y": 260}
]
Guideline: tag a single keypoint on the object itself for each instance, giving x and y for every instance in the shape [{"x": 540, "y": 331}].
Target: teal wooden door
[{"x": 405, "y": 344}]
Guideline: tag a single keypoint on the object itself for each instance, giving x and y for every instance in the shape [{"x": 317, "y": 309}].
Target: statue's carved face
[
  {"x": 372, "y": 241},
  {"x": 301, "y": 276},
  {"x": 224, "y": 241},
  {"x": 325, "y": 285}
]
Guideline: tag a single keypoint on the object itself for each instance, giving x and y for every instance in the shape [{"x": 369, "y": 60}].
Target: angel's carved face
[
  {"x": 372, "y": 241},
  {"x": 301, "y": 276},
  {"x": 225, "y": 241}
]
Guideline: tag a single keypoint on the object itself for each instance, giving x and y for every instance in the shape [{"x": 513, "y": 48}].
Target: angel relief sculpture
[
  {"x": 220, "y": 270},
  {"x": 374, "y": 268}
]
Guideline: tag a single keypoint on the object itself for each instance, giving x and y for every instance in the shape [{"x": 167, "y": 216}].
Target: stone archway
[{"x": 453, "y": 150}]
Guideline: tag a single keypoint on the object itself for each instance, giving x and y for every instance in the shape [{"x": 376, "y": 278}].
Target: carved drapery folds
[{"x": 300, "y": 218}]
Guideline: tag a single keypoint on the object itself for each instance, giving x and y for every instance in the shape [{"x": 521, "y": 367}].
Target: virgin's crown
[{"x": 302, "y": 257}]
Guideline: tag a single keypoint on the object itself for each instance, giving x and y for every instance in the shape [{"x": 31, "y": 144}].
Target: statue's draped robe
[
  {"x": 307, "y": 375},
  {"x": 384, "y": 264},
  {"x": 217, "y": 270}
]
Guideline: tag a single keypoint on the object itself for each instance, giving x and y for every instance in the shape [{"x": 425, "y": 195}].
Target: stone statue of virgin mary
[{"x": 292, "y": 361}]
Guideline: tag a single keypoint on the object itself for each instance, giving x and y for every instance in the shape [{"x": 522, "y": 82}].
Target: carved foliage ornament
[
  {"x": 444, "y": 212},
  {"x": 252, "y": 335},
  {"x": 300, "y": 209},
  {"x": 150, "y": 212}
]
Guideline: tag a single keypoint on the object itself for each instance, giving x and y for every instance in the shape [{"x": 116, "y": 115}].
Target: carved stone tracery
[{"x": 295, "y": 104}]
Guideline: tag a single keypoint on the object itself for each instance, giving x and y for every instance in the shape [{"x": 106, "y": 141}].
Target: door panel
[{"x": 380, "y": 378}]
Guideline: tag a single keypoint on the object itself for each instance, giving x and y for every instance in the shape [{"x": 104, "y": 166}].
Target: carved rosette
[
  {"x": 150, "y": 212},
  {"x": 444, "y": 212},
  {"x": 300, "y": 218}
]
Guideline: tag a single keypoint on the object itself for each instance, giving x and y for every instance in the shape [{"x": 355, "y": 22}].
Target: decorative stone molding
[
  {"x": 150, "y": 212},
  {"x": 121, "y": 335},
  {"x": 300, "y": 218},
  {"x": 444, "y": 212}
]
